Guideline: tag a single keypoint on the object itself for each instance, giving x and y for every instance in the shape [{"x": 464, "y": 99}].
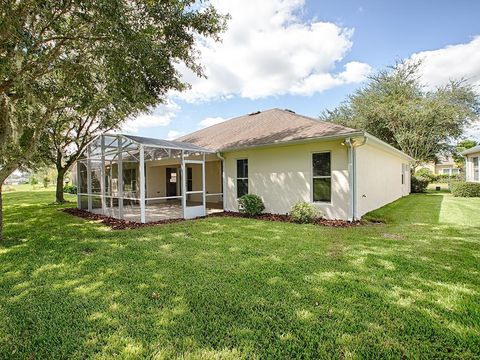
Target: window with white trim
[
  {"x": 321, "y": 177},
  {"x": 475, "y": 169},
  {"x": 242, "y": 177}
]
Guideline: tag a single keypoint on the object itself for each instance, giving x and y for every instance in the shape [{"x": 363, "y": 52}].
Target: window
[
  {"x": 242, "y": 177},
  {"x": 322, "y": 177},
  {"x": 454, "y": 171},
  {"x": 475, "y": 169},
  {"x": 129, "y": 179},
  {"x": 189, "y": 179}
]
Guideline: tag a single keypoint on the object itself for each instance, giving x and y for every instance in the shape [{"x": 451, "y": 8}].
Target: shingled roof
[{"x": 263, "y": 128}]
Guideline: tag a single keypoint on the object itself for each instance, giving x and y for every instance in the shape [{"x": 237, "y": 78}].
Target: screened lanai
[{"x": 144, "y": 180}]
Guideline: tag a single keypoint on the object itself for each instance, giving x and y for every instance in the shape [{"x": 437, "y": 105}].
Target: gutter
[{"x": 295, "y": 142}]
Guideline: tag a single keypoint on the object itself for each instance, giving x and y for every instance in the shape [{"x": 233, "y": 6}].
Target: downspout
[
  {"x": 224, "y": 179},
  {"x": 351, "y": 183},
  {"x": 352, "y": 178}
]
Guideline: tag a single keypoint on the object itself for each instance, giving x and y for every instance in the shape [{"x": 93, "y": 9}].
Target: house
[
  {"x": 472, "y": 157},
  {"x": 445, "y": 165},
  {"x": 277, "y": 154}
]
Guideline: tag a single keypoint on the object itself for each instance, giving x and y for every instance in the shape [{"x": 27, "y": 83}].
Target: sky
[{"x": 308, "y": 56}]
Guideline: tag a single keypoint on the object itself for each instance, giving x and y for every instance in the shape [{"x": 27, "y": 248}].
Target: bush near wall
[
  {"x": 418, "y": 184},
  {"x": 465, "y": 189},
  {"x": 251, "y": 205}
]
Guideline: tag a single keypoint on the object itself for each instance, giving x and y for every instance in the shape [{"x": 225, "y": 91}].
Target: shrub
[
  {"x": 445, "y": 179},
  {"x": 251, "y": 205},
  {"x": 465, "y": 189},
  {"x": 70, "y": 189},
  {"x": 418, "y": 185},
  {"x": 46, "y": 181},
  {"x": 427, "y": 174},
  {"x": 304, "y": 213}
]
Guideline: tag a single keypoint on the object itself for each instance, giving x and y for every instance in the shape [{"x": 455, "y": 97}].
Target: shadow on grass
[{"x": 233, "y": 288}]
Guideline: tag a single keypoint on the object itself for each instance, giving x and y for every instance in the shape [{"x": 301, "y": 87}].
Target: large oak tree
[
  {"x": 395, "y": 107},
  {"x": 49, "y": 47}
]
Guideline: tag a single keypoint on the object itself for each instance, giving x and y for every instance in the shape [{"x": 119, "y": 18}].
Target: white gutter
[{"x": 294, "y": 142}]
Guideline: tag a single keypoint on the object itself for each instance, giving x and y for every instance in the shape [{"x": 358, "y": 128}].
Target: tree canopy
[
  {"x": 127, "y": 50},
  {"x": 395, "y": 107}
]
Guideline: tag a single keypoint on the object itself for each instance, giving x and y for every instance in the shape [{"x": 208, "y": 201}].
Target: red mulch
[
  {"x": 118, "y": 224},
  {"x": 286, "y": 218}
]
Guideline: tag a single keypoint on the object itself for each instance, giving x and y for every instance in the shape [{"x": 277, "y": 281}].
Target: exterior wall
[
  {"x": 156, "y": 178},
  {"x": 379, "y": 178},
  {"x": 282, "y": 176},
  {"x": 450, "y": 167},
  {"x": 469, "y": 173}
]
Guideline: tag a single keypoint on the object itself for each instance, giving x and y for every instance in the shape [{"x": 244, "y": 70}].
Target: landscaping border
[{"x": 118, "y": 224}]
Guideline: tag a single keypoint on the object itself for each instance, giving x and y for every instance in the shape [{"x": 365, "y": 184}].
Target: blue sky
[{"x": 309, "y": 55}]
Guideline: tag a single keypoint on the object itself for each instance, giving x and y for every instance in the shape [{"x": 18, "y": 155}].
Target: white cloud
[
  {"x": 161, "y": 116},
  {"x": 451, "y": 62},
  {"x": 173, "y": 134},
  {"x": 268, "y": 50},
  {"x": 209, "y": 121}
]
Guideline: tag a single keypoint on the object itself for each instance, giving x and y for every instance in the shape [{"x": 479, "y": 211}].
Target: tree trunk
[{"x": 59, "y": 192}]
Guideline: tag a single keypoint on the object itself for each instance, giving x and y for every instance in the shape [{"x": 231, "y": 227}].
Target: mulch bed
[
  {"x": 118, "y": 224},
  {"x": 286, "y": 218}
]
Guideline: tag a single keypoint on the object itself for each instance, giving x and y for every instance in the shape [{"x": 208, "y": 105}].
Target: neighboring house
[
  {"x": 472, "y": 158},
  {"x": 444, "y": 166},
  {"x": 277, "y": 154}
]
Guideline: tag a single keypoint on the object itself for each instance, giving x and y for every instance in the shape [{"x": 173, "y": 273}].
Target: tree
[
  {"x": 92, "y": 111},
  {"x": 47, "y": 46},
  {"x": 396, "y": 108},
  {"x": 459, "y": 148}
]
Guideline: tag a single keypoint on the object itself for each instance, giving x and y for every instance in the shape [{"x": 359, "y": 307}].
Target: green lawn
[{"x": 232, "y": 288}]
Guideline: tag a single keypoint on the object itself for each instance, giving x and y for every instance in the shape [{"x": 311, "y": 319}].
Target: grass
[{"x": 231, "y": 288}]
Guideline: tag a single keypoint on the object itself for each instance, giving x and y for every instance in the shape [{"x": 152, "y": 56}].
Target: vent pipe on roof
[
  {"x": 254, "y": 113},
  {"x": 293, "y": 112}
]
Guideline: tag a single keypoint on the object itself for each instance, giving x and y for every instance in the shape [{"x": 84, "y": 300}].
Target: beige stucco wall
[
  {"x": 156, "y": 178},
  {"x": 282, "y": 176},
  {"x": 379, "y": 178},
  {"x": 469, "y": 166}
]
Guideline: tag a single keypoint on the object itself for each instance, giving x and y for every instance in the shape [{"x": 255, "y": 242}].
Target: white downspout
[
  {"x": 224, "y": 180},
  {"x": 351, "y": 183},
  {"x": 352, "y": 178}
]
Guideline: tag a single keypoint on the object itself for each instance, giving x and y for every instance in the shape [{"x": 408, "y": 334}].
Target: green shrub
[
  {"x": 46, "y": 181},
  {"x": 445, "y": 179},
  {"x": 251, "y": 205},
  {"x": 70, "y": 189},
  {"x": 427, "y": 174},
  {"x": 304, "y": 213},
  {"x": 418, "y": 185},
  {"x": 465, "y": 189}
]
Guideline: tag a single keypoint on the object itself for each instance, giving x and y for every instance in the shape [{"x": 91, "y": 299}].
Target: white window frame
[
  {"x": 477, "y": 167},
  {"x": 240, "y": 178},
  {"x": 320, "y": 177}
]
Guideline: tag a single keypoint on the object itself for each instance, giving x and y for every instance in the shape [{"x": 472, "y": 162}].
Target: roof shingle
[{"x": 263, "y": 128}]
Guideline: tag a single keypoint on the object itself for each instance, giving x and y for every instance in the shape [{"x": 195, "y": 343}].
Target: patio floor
[{"x": 155, "y": 212}]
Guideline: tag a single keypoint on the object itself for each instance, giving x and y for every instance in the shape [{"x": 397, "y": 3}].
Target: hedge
[{"x": 465, "y": 189}]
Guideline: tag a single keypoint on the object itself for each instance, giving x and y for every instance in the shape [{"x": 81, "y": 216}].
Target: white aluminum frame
[{"x": 125, "y": 144}]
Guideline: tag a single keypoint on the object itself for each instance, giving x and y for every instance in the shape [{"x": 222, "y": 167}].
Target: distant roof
[
  {"x": 471, "y": 150},
  {"x": 168, "y": 144},
  {"x": 264, "y": 128}
]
